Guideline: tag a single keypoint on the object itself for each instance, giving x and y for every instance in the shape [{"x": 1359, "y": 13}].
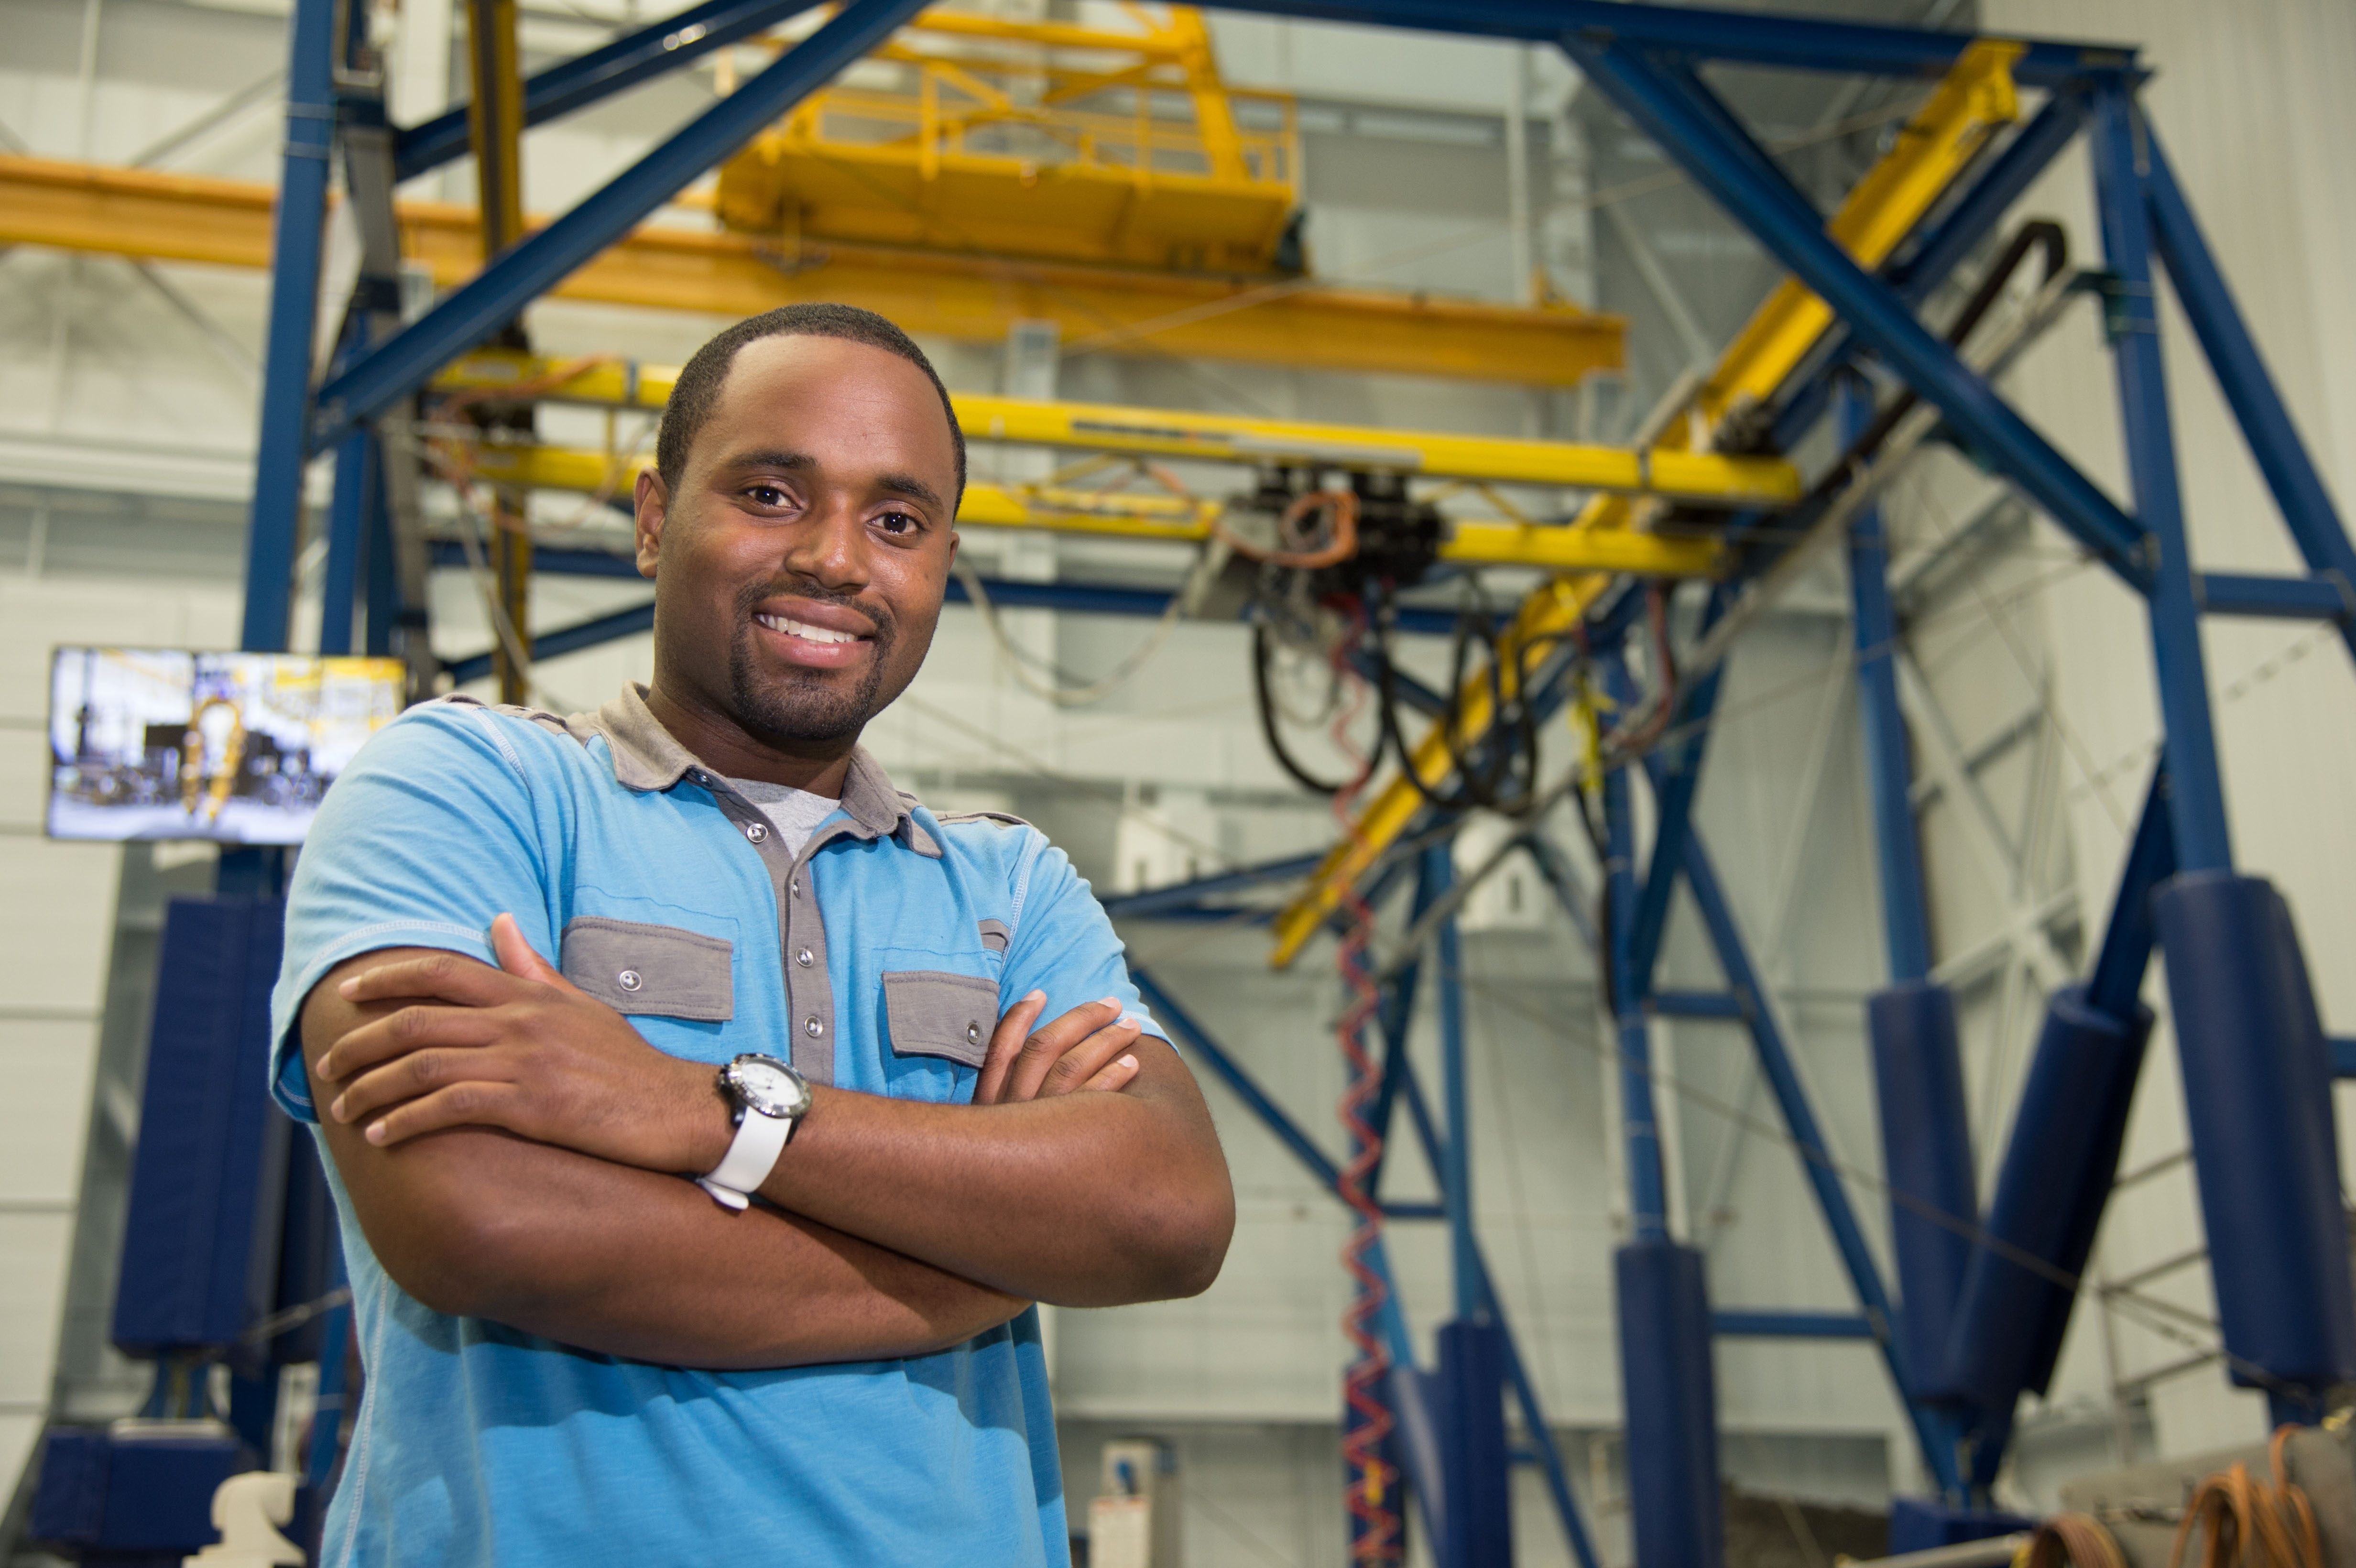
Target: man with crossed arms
[{"x": 713, "y": 1238}]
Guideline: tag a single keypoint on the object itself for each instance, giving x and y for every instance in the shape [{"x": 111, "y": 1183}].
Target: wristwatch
[{"x": 769, "y": 1097}]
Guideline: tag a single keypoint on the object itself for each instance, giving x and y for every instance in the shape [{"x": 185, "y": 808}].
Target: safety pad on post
[
  {"x": 2258, "y": 1093},
  {"x": 2064, "y": 1150},
  {"x": 1926, "y": 1150},
  {"x": 1478, "y": 1527},
  {"x": 1670, "y": 1393}
]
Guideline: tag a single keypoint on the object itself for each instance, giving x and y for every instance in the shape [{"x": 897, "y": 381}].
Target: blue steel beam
[
  {"x": 1905, "y": 920},
  {"x": 2282, "y": 457},
  {"x": 2196, "y": 799},
  {"x": 1745, "y": 1325},
  {"x": 297, "y": 235},
  {"x": 1183, "y": 895},
  {"x": 1792, "y": 43},
  {"x": 597, "y": 630},
  {"x": 1563, "y": 878},
  {"x": 1715, "y": 1005},
  {"x": 665, "y": 46},
  {"x": 1682, "y": 760},
  {"x": 356, "y": 485},
  {"x": 493, "y": 297},
  {"x": 1953, "y": 235},
  {"x": 1877, "y": 316},
  {"x": 1800, "y": 1118},
  {"x": 1397, "y": 1014},
  {"x": 1640, "y": 1130},
  {"x": 1255, "y": 1099},
  {"x": 2325, "y": 598},
  {"x": 1456, "y": 1179}
]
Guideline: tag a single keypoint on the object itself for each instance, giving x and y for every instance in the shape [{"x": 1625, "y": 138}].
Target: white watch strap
[{"x": 759, "y": 1140}]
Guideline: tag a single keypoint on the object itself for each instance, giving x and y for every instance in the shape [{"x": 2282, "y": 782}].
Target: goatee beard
[{"x": 806, "y": 708}]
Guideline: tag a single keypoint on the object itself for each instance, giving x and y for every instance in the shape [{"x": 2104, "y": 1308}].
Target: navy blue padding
[
  {"x": 2058, "y": 1166},
  {"x": 1477, "y": 1530},
  {"x": 2258, "y": 1093},
  {"x": 69, "y": 1502},
  {"x": 1926, "y": 1152},
  {"x": 159, "y": 1492},
  {"x": 109, "y": 1497},
  {"x": 1671, "y": 1396},
  {"x": 200, "y": 1243}
]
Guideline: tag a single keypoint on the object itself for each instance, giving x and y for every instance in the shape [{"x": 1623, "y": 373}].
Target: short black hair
[{"x": 701, "y": 379}]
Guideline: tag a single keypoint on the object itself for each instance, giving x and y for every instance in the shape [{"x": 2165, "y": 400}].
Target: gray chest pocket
[
  {"x": 651, "y": 969},
  {"x": 931, "y": 1013}
]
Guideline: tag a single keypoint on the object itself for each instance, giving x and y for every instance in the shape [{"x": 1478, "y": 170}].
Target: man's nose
[{"x": 830, "y": 549}]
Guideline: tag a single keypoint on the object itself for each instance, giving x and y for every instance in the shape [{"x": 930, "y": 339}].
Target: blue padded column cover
[
  {"x": 1926, "y": 1152},
  {"x": 2058, "y": 1166},
  {"x": 1670, "y": 1392},
  {"x": 2257, "y": 1092}
]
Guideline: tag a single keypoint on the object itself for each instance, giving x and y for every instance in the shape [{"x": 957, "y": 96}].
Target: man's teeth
[{"x": 794, "y": 628}]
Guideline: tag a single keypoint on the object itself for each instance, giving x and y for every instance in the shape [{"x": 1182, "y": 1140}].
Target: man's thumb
[{"x": 516, "y": 955}]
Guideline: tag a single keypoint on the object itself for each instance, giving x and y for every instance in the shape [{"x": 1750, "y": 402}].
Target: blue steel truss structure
[{"x": 1976, "y": 1310}]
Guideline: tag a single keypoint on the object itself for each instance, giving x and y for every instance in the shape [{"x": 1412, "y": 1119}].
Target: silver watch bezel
[{"x": 746, "y": 1098}]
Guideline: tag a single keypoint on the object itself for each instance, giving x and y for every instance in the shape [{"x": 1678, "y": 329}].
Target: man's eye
[
  {"x": 768, "y": 496},
  {"x": 899, "y": 523}
]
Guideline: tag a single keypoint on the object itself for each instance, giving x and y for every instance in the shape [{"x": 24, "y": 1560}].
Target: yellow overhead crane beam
[
  {"x": 1180, "y": 519},
  {"x": 1975, "y": 98},
  {"x": 1694, "y": 479},
  {"x": 1295, "y": 322}
]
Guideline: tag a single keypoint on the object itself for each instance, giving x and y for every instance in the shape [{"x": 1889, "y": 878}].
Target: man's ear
[{"x": 652, "y": 505}]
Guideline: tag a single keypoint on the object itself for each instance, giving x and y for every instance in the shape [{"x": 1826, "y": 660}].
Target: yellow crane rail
[
  {"x": 1694, "y": 479},
  {"x": 1296, "y": 323},
  {"x": 1120, "y": 515},
  {"x": 1976, "y": 98}
]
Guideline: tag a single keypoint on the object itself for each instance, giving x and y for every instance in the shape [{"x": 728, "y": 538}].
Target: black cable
[{"x": 1261, "y": 654}]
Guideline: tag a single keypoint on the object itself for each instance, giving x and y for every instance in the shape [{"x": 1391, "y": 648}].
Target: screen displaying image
[{"x": 238, "y": 748}]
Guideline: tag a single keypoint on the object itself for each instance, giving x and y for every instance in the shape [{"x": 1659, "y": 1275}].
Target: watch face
[{"x": 766, "y": 1085}]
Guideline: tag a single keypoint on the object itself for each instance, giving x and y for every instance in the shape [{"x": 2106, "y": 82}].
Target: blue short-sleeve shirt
[{"x": 877, "y": 958}]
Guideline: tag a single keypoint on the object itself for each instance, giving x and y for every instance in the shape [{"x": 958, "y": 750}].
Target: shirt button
[
  {"x": 805, "y": 958},
  {"x": 795, "y": 886},
  {"x": 973, "y": 1034},
  {"x": 756, "y": 831},
  {"x": 628, "y": 980},
  {"x": 812, "y": 1027}
]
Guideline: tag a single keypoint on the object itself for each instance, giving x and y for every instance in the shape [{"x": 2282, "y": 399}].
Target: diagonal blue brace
[
  {"x": 493, "y": 297},
  {"x": 1800, "y": 1118},
  {"x": 1877, "y": 316},
  {"x": 2282, "y": 457},
  {"x": 651, "y": 51},
  {"x": 1678, "y": 780}
]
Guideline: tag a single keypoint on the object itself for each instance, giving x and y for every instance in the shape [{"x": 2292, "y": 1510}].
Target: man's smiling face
[{"x": 800, "y": 563}]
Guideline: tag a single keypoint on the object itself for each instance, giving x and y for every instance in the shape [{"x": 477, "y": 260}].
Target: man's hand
[
  {"x": 1081, "y": 1049},
  {"x": 521, "y": 1048}
]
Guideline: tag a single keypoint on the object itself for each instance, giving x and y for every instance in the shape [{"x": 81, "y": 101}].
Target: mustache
[{"x": 877, "y": 613}]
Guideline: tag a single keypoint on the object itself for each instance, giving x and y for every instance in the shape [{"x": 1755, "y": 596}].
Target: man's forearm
[
  {"x": 628, "y": 1263},
  {"x": 1083, "y": 1201}
]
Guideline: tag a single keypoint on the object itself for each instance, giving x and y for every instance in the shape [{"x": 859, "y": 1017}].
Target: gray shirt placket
[{"x": 801, "y": 929}]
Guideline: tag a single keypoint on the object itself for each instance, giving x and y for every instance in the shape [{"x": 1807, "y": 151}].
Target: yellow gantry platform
[
  {"x": 1975, "y": 100},
  {"x": 1032, "y": 139},
  {"x": 1181, "y": 519}
]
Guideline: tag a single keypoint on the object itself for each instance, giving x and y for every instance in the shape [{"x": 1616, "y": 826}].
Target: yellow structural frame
[
  {"x": 1696, "y": 478},
  {"x": 1971, "y": 102},
  {"x": 1298, "y": 324},
  {"x": 1178, "y": 519}
]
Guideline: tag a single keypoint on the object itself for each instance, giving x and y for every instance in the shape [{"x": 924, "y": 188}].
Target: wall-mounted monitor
[{"x": 237, "y": 748}]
